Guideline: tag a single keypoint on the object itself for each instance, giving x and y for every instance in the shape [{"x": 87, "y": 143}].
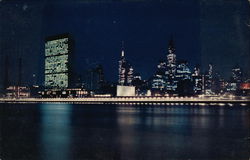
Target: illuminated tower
[
  {"x": 210, "y": 71},
  {"x": 171, "y": 57},
  {"x": 130, "y": 74},
  {"x": 237, "y": 74},
  {"x": 58, "y": 71},
  {"x": 122, "y": 69},
  {"x": 209, "y": 80},
  {"x": 171, "y": 67},
  {"x": 126, "y": 71},
  {"x": 197, "y": 80},
  {"x": 182, "y": 71},
  {"x": 159, "y": 79},
  {"x": 236, "y": 78}
]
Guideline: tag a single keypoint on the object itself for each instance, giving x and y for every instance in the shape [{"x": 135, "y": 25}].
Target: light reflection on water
[
  {"x": 70, "y": 131},
  {"x": 55, "y": 131},
  {"x": 182, "y": 128},
  {"x": 165, "y": 115}
]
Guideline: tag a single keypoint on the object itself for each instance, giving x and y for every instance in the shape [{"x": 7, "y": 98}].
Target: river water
[{"x": 145, "y": 132}]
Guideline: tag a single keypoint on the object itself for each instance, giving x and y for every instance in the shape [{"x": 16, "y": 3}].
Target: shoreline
[{"x": 129, "y": 100}]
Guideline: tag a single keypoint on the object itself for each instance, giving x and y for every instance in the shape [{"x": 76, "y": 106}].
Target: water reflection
[
  {"x": 162, "y": 115},
  {"x": 82, "y": 131},
  {"x": 55, "y": 131},
  {"x": 164, "y": 128},
  {"x": 180, "y": 132}
]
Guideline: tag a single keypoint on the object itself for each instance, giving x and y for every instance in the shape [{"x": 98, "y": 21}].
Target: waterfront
[
  {"x": 81, "y": 131},
  {"x": 139, "y": 100}
]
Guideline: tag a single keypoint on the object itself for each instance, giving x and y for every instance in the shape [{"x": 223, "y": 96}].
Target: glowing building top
[
  {"x": 171, "y": 57},
  {"x": 125, "y": 70},
  {"x": 122, "y": 55},
  {"x": 122, "y": 69}
]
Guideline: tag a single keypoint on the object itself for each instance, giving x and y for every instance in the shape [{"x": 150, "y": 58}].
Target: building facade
[
  {"x": 164, "y": 80},
  {"x": 236, "y": 79},
  {"x": 126, "y": 71},
  {"x": 58, "y": 56},
  {"x": 124, "y": 91},
  {"x": 17, "y": 92},
  {"x": 171, "y": 67},
  {"x": 182, "y": 71},
  {"x": 237, "y": 74},
  {"x": 208, "y": 80},
  {"x": 197, "y": 80}
]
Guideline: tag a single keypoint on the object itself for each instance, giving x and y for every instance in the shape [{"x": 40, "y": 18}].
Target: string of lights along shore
[{"x": 172, "y": 77}]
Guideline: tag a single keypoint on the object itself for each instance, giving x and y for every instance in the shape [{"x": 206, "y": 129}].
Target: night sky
[{"x": 204, "y": 31}]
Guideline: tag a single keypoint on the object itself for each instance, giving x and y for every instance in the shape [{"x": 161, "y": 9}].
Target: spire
[
  {"x": 122, "y": 49},
  {"x": 171, "y": 47},
  {"x": 171, "y": 41},
  {"x": 122, "y": 53}
]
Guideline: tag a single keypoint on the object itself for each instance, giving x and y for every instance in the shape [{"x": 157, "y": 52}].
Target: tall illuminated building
[
  {"x": 218, "y": 85},
  {"x": 165, "y": 77},
  {"x": 171, "y": 67},
  {"x": 210, "y": 71},
  {"x": 236, "y": 78},
  {"x": 182, "y": 71},
  {"x": 208, "y": 80},
  {"x": 183, "y": 79},
  {"x": 158, "y": 81},
  {"x": 58, "y": 56},
  {"x": 122, "y": 69},
  {"x": 237, "y": 74},
  {"x": 126, "y": 71},
  {"x": 197, "y": 80},
  {"x": 130, "y": 74}
]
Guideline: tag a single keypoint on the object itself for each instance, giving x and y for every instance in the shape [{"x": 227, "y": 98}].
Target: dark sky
[{"x": 204, "y": 31}]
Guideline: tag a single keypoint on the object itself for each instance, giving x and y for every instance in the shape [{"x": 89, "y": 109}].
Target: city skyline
[
  {"x": 169, "y": 56},
  {"x": 172, "y": 76},
  {"x": 124, "y": 79},
  {"x": 99, "y": 28}
]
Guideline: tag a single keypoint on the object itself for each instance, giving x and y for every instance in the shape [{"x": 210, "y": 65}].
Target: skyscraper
[
  {"x": 126, "y": 71},
  {"x": 165, "y": 77},
  {"x": 208, "y": 80},
  {"x": 122, "y": 69},
  {"x": 183, "y": 79},
  {"x": 237, "y": 74},
  {"x": 158, "y": 81},
  {"x": 130, "y": 74},
  {"x": 197, "y": 80},
  {"x": 236, "y": 78},
  {"x": 171, "y": 67},
  {"x": 182, "y": 71},
  {"x": 58, "y": 52}
]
